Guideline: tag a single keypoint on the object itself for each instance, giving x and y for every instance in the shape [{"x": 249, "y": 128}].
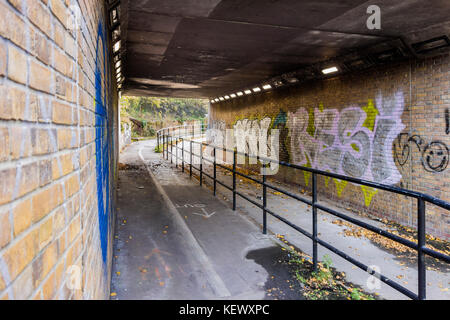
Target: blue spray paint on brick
[{"x": 102, "y": 139}]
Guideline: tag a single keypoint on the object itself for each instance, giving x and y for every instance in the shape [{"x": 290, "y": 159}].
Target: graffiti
[
  {"x": 102, "y": 137},
  {"x": 125, "y": 135},
  {"x": 434, "y": 155},
  {"x": 354, "y": 142},
  {"x": 280, "y": 124},
  {"x": 215, "y": 133},
  {"x": 447, "y": 122},
  {"x": 255, "y": 138}
]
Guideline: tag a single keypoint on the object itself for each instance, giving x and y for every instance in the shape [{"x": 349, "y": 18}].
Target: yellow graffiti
[
  {"x": 307, "y": 174},
  {"x": 327, "y": 181},
  {"x": 369, "y": 192},
  {"x": 372, "y": 113},
  {"x": 340, "y": 186},
  {"x": 321, "y": 107}
]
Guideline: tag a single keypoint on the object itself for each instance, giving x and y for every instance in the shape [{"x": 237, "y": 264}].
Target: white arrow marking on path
[{"x": 205, "y": 213}]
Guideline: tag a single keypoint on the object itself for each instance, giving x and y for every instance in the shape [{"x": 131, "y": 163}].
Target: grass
[{"x": 159, "y": 149}]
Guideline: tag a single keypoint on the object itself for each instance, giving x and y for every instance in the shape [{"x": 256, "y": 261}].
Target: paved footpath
[{"x": 174, "y": 240}]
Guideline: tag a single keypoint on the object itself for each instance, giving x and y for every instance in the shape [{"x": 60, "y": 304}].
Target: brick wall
[
  {"x": 58, "y": 115},
  {"x": 387, "y": 124}
]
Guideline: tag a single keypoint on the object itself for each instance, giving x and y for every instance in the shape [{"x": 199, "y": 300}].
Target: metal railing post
[
  {"x": 176, "y": 152},
  {"x": 171, "y": 149},
  {"x": 234, "y": 179},
  {"x": 314, "y": 217},
  {"x": 164, "y": 145},
  {"x": 421, "y": 242},
  {"x": 215, "y": 172},
  {"x": 182, "y": 154},
  {"x": 190, "y": 160},
  {"x": 201, "y": 164},
  {"x": 167, "y": 145},
  {"x": 264, "y": 199}
]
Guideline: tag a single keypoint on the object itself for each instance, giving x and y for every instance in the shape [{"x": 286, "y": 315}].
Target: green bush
[
  {"x": 159, "y": 149},
  {"x": 148, "y": 131}
]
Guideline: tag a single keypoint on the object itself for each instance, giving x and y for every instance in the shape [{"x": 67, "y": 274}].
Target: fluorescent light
[
  {"x": 116, "y": 46},
  {"x": 118, "y": 63},
  {"x": 212, "y": 101},
  {"x": 216, "y": 100},
  {"x": 329, "y": 70},
  {"x": 227, "y": 97},
  {"x": 267, "y": 87},
  {"x": 247, "y": 92},
  {"x": 233, "y": 95},
  {"x": 257, "y": 89},
  {"x": 221, "y": 99},
  {"x": 240, "y": 94}
]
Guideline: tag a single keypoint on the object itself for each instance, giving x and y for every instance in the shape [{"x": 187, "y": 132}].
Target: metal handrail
[{"x": 163, "y": 136}]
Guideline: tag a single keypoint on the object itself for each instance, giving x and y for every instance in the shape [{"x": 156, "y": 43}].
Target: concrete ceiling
[{"x": 207, "y": 48}]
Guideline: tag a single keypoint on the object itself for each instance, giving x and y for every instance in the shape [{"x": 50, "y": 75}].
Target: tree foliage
[{"x": 161, "y": 109}]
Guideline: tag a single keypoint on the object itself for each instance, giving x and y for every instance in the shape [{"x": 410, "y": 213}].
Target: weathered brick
[
  {"x": 74, "y": 229},
  {"x": 2, "y": 58},
  {"x": 18, "y": 256},
  {"x": 5, "y": 229},
  {"x": 67, "y": 138},
  {"x": 59, "y": 35},
  {"x": 27, "y": 178},
  {"x": 4, "y": 144},
  {"x": 62, "y": 113},
  {"x": 23, "y": 285},
  {"x": 44, "y": 263},
  {"x": 40, "y": 47},
  {"x": 13, "y": 27},
  {"x": 43, "y": 107},
  {"x": 22, "y": 148},
  {"x": 59, "y": 220},
  {"x": 7, "y": 179},
  {"x": 40, "y": 141},
  {"x": 41, "y": 77},
  {"x": 49, "y": 287},
  {"x": 22, "y": 216},
  {"x": 62, "y": 165},
  {"x": 45, "y": 233},
  {"x": 45, "y": 172},
  {"x": 16, "y": 103},
  {"x": 2, "y": 285},
  {"x": 39, "y": 16},
  {"x": 60, "y": 11},
  {"x": 46, "y": 200},
  {"x": 17, "y": 65},
  {"x": 18, "y": 4}
]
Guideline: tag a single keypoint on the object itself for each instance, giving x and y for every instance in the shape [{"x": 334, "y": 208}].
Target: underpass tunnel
[{"x": 355, "y": 88}]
